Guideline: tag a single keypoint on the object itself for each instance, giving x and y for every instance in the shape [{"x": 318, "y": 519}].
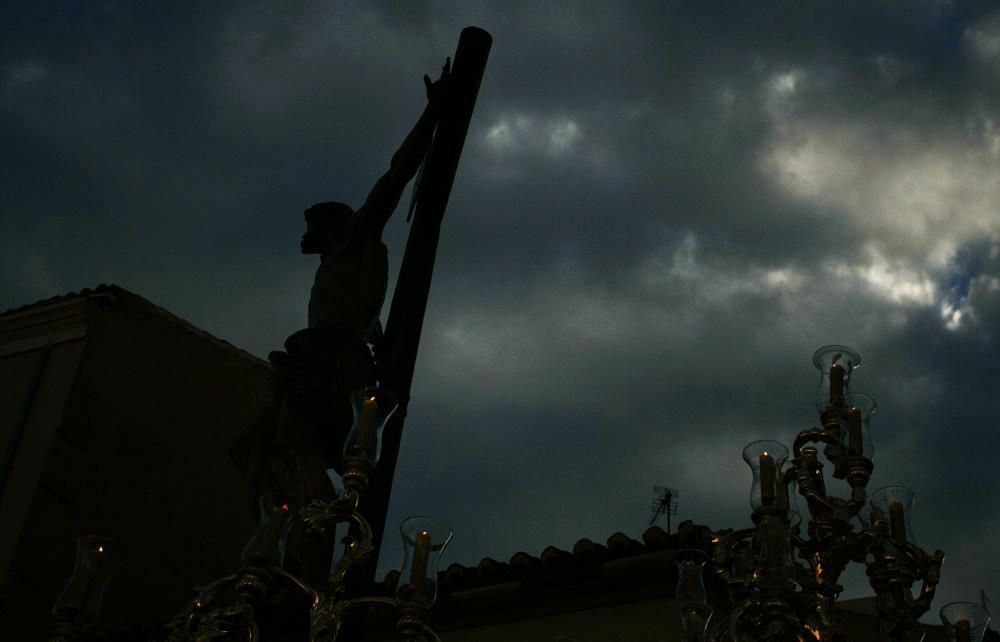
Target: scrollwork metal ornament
[
  {"x": 227, "y": 608},
  {"x": 790, "y": 593}
]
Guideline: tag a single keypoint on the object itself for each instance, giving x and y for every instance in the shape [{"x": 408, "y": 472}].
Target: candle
[
  {"x": 854, "y": 439},
  {"x": 897, "y": 525},
  {"x": 768, "y": 474},
  {"x": 421, "y": 551},
  {"x": 836, "y": 384},
  {"x": 963, "y": 631},
  {"x": 775, "y": 539},
  {"x": 366, "y": 425}
]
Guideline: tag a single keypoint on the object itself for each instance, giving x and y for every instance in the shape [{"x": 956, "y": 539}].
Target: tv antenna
[{"x": 664, "y": 503}]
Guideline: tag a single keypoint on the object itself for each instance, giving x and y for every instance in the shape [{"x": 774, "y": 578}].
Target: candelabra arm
[
  {"x": 299, "y": 584},
  {"x": 816, "y": 499},
  {"x": 208, "y": 589},
  {"x": 374, "y": 601},
  {"x": 813, "y": 435},
  {"x": 722, "y": 551},
  {"x": 429, "y": 633},
  {"x": 199, "y": 608},
  {"x": 252, "y": 629},
  {"x": 734, "y": 620},
  {"x": 930, "y": 568},
  {"x": 326, "y": 619},
  {"x": 357, "y": 548}
]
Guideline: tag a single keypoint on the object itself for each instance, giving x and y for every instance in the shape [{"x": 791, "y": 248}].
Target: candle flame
[
  {"x": 284, "y": 507},
  {"x": 100, "y": 549}
]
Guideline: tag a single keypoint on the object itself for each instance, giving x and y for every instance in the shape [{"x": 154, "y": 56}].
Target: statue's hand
[{"x": 437, "y": 89}]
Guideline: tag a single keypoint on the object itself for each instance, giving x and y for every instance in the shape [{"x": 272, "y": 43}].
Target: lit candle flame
[
  {"x": 100, "y": 549},
  {"x": 284, "y": 507}
]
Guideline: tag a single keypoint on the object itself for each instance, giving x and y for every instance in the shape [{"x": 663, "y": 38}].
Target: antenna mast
[{"x": 664, "y": 503}]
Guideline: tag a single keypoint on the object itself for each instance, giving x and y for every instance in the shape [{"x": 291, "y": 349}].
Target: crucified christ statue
[{"x": 323, "y": 363}]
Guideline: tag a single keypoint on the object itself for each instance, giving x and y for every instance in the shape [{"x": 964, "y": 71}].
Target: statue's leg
[
  {"x": 251, "y": 454},
  {"x": 299, "y": 453},
  {"x": 309, "y": 552}
]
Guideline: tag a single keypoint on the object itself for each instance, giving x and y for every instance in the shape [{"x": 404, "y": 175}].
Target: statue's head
[{"x": 325, "y": 224}]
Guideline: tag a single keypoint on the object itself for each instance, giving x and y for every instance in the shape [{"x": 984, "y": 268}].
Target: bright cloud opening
[{"x": 521, "y": 133}]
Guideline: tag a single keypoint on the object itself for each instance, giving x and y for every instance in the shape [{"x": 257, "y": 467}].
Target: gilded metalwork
[
  {"x": 785, "y": 586},
  {"x": 227, "y": 608}
]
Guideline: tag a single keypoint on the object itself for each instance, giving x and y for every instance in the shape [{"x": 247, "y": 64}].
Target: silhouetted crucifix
[{"x": 323, "y": 363}]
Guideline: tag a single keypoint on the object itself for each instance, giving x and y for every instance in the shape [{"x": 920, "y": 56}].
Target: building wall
[
  {"x": 617, "y": 619},
  {"x": 140, "y": 416},
  {"x": 40, "y": 353},
  {"x": 648, "y": 620},
  {"x": 621, "y": 599}
]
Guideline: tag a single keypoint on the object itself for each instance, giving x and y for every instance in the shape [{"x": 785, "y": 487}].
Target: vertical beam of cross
[{"x": 397, "y": 353}]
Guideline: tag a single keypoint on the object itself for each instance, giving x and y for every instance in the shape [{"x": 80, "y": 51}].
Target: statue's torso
[{"x": 349, "y": 289}]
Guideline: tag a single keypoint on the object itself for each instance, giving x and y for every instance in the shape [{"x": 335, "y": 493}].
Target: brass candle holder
[
  {"x": 227, "y": 608},
  {"x": 792, "y": 589},
  {"x": 287, "y": 566}
]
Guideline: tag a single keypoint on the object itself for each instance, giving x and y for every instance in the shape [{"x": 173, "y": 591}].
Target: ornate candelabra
[
  {"x": 783, "y": 583},
  {"x": 287, "y": 566}
]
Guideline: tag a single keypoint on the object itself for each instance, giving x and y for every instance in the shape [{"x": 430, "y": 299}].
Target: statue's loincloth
[{"x": 317, "y": 373}]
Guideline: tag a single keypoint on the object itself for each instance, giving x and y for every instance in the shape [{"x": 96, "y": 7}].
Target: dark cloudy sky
[{"x": 662, "y": 210}]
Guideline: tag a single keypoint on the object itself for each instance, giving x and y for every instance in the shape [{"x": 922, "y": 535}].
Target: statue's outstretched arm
[{"x": 384, "y": 197}]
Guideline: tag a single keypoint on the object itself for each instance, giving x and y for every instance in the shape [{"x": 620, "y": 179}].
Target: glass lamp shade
[
  {"x": 265, "y": 547},
  {"x": 892, "y": 509},
  {"x": 965, "y": 621},
  {"x": 825, "y": 359},
  {"x": 692, "y": 601},
  {"x": 372, "y": 408},
  {"x": 866, "y": 407},
  {"x": 744, "y": 563},
  {"x": 424, "y": 539},
  {"x": 796, "y": 503},
  {"x": 690, "y": 583},
  {"x": 97, "y": 561},
  {"x": 765, "y": 458}
]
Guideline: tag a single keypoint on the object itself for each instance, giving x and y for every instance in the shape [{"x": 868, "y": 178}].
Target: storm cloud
[{"x": 661, "y": 211}]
